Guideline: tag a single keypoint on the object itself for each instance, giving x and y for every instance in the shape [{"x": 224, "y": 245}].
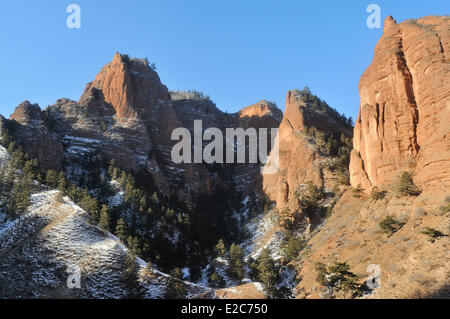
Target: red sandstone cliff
[
  {"x": 403, "y": 123},
  {"x": 300, "y": 161},
  {"x": 128, "y": 85}
]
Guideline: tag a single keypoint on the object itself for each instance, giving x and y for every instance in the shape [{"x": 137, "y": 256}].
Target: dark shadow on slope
[{"x": 441, "y": 293}]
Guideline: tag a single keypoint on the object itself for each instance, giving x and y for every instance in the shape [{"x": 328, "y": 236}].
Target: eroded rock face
[
  {"x": 405, "y": 107},
  {"x": 299, "y": 160},
  {"x": 263, "y": 114},
  {"x": 130, "y": 86},
  {"x": 31, "y": 130}
]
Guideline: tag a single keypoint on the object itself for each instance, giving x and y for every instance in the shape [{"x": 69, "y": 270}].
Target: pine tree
[
  {"x": 122, "y": 229},
  {"x": 112, "y": 169},
  {"x": 73, "y": 193},
  {"x": 292, "y": 248},
  {"x": 155, "y": 198},
  {"x": 29, "y": 168},
  {"x": 175, "y": 290},
  {"x": 214, "y": 279},
  {"x": 134, "y": 245},
  {"x": 406, "y": 186},
  {"x": 177, "y": 273},
  {"x": 358, "y": 191},
  {"x": 340, "y": 278},
  {"x": 62, "y": 182},
  {"x": 390, "y": 225},
  {"x": 143, "y": 204},
  {"x": 236, "y": 267},
  {"x": 130, "y": 277},
  {"x": 2, "y": 177},
  {"x": 267, "y": 272},
  {"x": 221, "y": 249},
  {"x": 51, "y": 178},
  {"x": 104, "y": 221},
  {"x": 309, "y": 202},
  {"x": 376, "y": 194},
  {"x": 19, "y": 199},
  {"x": 89, "y": 204}
]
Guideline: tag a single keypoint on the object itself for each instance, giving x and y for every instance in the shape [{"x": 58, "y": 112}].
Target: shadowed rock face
[
  {"x": 405, "y": 106},
  {"x": 29, "y": 128}
]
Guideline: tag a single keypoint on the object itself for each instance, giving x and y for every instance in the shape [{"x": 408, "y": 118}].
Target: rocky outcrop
[
  {"x": 299, "y": 159},
  {"x": 301, "y": 114},
  {"x": 30, "y": 129},
  {"x": 130, "y": 86},
  {"x": 405, "y": 107},
  {"x": 85, "y": 133},
  {"x": 263, "y": 114}
]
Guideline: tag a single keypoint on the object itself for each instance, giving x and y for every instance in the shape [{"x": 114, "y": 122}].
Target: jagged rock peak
[
  {"x": 26, "y": 113},
  {"x": 130, "y": 86},
  {"x": 389, "y": 23}
]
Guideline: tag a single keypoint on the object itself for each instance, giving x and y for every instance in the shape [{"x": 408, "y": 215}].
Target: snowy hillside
[{"x": 40, "y": 249}]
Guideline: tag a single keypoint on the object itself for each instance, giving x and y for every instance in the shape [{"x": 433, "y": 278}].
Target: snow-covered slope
[
  {"x": 4, "y": 156},
  {"x": 40, "y": 250}
]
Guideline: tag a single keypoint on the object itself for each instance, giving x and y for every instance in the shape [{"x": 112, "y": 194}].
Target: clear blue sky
[{"x": 237, "y": 51}]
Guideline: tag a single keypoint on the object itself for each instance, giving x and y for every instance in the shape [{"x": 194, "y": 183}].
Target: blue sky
[{"x": 236, "y": 51}]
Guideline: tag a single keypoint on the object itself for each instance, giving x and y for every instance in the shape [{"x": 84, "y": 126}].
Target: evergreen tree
[
  {"x": 267, "y": 272},
  {"x": 130, "y": 277},
  {"x": 309, "y": 202},
  {"x": 358, "y": 191},
  {"x": 155, "y": 198},
  {"x": 376, "y": 194},
  {"x": 62, "y": 182},
  {"x": 89, "y": 204},
  {"x": 253, "y": 266},
  {"x": 176, "y": 290},
  {"x": 143, "y": 204},
  {"x": 19, "y": 199},
  {"x": 214, "y": 279},
  {"x": 236, "y": 266},
  {"x": 30, "y": 168},
  {"x": 340, "y": 278},
  {"x": 221, "y": 249},
  {"x": 177, "y": 273},
  {"x": 122, "y": 230},
  {"x": 390, "y": 225},
  {"x": 406, "y": 186},
  {"x": 104, "y": 220},
  {"x": 51, "y": 178},
  {"x": 292, "y": 247},
  {"x": 134, "y": 245}
]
